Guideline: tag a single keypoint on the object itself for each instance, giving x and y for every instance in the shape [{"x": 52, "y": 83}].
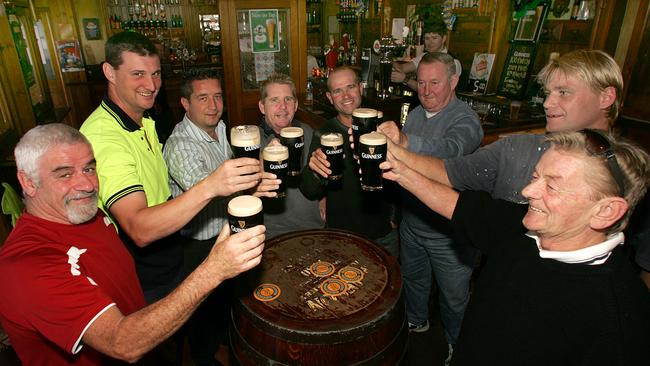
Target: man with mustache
[
  {"x": 134, "y": 191},
  {"x": 71, "y": 295},
  {"x": 559, "y": 289}
]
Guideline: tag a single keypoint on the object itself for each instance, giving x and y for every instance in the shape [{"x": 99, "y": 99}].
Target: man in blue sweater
[{"x": 442, "y": 127}]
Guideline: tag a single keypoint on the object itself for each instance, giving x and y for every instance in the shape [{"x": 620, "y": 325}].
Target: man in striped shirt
[{"x": 196, "y": 148}]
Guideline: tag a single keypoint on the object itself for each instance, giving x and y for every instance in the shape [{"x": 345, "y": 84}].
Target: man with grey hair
[
  {"x": 444, "y": 127},
  {"x": 557, "y": 290},
  {"x": 74, "y": 297}
]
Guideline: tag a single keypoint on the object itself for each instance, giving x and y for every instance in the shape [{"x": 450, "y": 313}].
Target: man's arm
[
  {"x": 438, "y": 197},
  {"x": 188, "y": 165},
  {"x": 146, "y": 224},
  {"x": 130, "y": 337},
  {"x": 429, "y": 166}
]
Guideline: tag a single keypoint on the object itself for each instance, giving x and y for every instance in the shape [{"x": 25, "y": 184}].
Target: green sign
[{"x": 264, "y": 30}]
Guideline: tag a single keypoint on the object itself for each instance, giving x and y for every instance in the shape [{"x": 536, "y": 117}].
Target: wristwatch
[{"x": 406, "y": 80}]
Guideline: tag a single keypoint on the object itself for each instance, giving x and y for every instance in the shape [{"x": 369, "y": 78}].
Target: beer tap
[{"x": 388, "y": 48}]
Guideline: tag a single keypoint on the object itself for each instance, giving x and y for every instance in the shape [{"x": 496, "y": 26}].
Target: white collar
[
  {"x": 430, "y": 114},
  {"x": 592, "y": 255},
  {"x": 219, "y": 129}
]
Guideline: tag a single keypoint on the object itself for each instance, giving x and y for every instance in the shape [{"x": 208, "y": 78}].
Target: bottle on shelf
[{"x": 309, "y": 95}]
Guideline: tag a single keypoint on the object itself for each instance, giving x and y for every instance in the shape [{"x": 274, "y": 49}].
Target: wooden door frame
[
  {"x": 235, "y": 96},
  {"x": 15, "y": 95},
  {"x": 642, "y": 16}
]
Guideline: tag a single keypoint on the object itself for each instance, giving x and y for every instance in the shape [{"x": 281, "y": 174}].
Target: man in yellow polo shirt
[{"x": 132, "y": 173}]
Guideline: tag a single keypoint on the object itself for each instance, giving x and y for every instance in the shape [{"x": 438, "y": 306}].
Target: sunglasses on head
[{"x": 598, "y": 144}]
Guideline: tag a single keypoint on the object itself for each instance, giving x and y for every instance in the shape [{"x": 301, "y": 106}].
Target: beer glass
[
  {"x": 332, "y": 145},
  {"x": 276, "y": 161},
  {"x": 245, "y": 141},
  {"x": 364, "y": 120},
  {"x": 293, "y": 139},
  {"x": 270, "y": 32},
  {"x": 372, "y": 150},
  {"x": 244, "y": 212}
]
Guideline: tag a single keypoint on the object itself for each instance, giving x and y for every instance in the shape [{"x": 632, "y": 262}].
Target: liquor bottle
[
  {"x": 419, "y": 39},
  {"x": 309, "y": 95}
]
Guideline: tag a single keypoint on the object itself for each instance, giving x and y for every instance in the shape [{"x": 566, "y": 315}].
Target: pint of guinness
[
  {"x": 245, "y": 141},
  {"x": 364, "y": 120},
  {"x": 276, "y": 161},
  {"x": 332, "y": 145},
  {"x": 244, "y": 212},
  {"x": 372, "y": 150},
  {"x": 293, "y": 139}
]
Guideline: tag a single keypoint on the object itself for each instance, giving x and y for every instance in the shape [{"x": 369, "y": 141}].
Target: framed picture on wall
[
  {"x": 530, "y": 25},
  {"x": 91, "y": 28},
  {"x": 561, "y": 10}
]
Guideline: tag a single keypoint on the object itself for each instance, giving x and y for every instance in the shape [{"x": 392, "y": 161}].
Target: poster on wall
[
  {"x": 70, "y": 56},
  {"x": 91, "y": 28},
  {"x": 479, "y": 74},
  {"x": 530, "y": 25},
  {"x": 561, "y": 10},
  {"x": 264, "y": 30}
]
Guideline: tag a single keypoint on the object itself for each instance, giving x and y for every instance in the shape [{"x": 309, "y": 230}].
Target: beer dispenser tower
[{"x": 387, "y": 46}]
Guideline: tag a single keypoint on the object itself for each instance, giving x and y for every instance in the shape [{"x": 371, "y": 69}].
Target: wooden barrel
[{"x": 320, "y": 297}]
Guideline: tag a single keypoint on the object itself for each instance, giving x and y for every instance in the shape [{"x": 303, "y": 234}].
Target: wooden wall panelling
[
  {"x": 501, "y": 15},
  {"x": 636, "y": 71},
  {"x": 605, "y": 9},
  {"x": 472, "y": 33},
  {"x": 20, "y": 114},
  {"x": 483, "y": 31},
  {"x": 59, "y": 13},
  {"x": 71, "y": 87}
]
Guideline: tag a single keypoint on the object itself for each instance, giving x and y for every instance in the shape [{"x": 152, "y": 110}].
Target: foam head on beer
[
  {"x": 245, "y": 141},
  {"x": 275, "y": 153},
  {"x": 244, "y": 212},
  {"x": 364, "y": 113},
  {"x": 331, "y": 139},
  {"x": 276, "y": 161},
  {"x": 373, "y": 139},
  {"x": 332, "y": 146},
  {"x": 364, "y": 120},
  {"x": 291, "y": 132}
]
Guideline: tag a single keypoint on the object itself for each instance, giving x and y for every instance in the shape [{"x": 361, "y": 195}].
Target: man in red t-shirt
[{"x": 70, "y": 282}]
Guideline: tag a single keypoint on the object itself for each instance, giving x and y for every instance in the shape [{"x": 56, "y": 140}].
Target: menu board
[{"x": 516, "y": 70}]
